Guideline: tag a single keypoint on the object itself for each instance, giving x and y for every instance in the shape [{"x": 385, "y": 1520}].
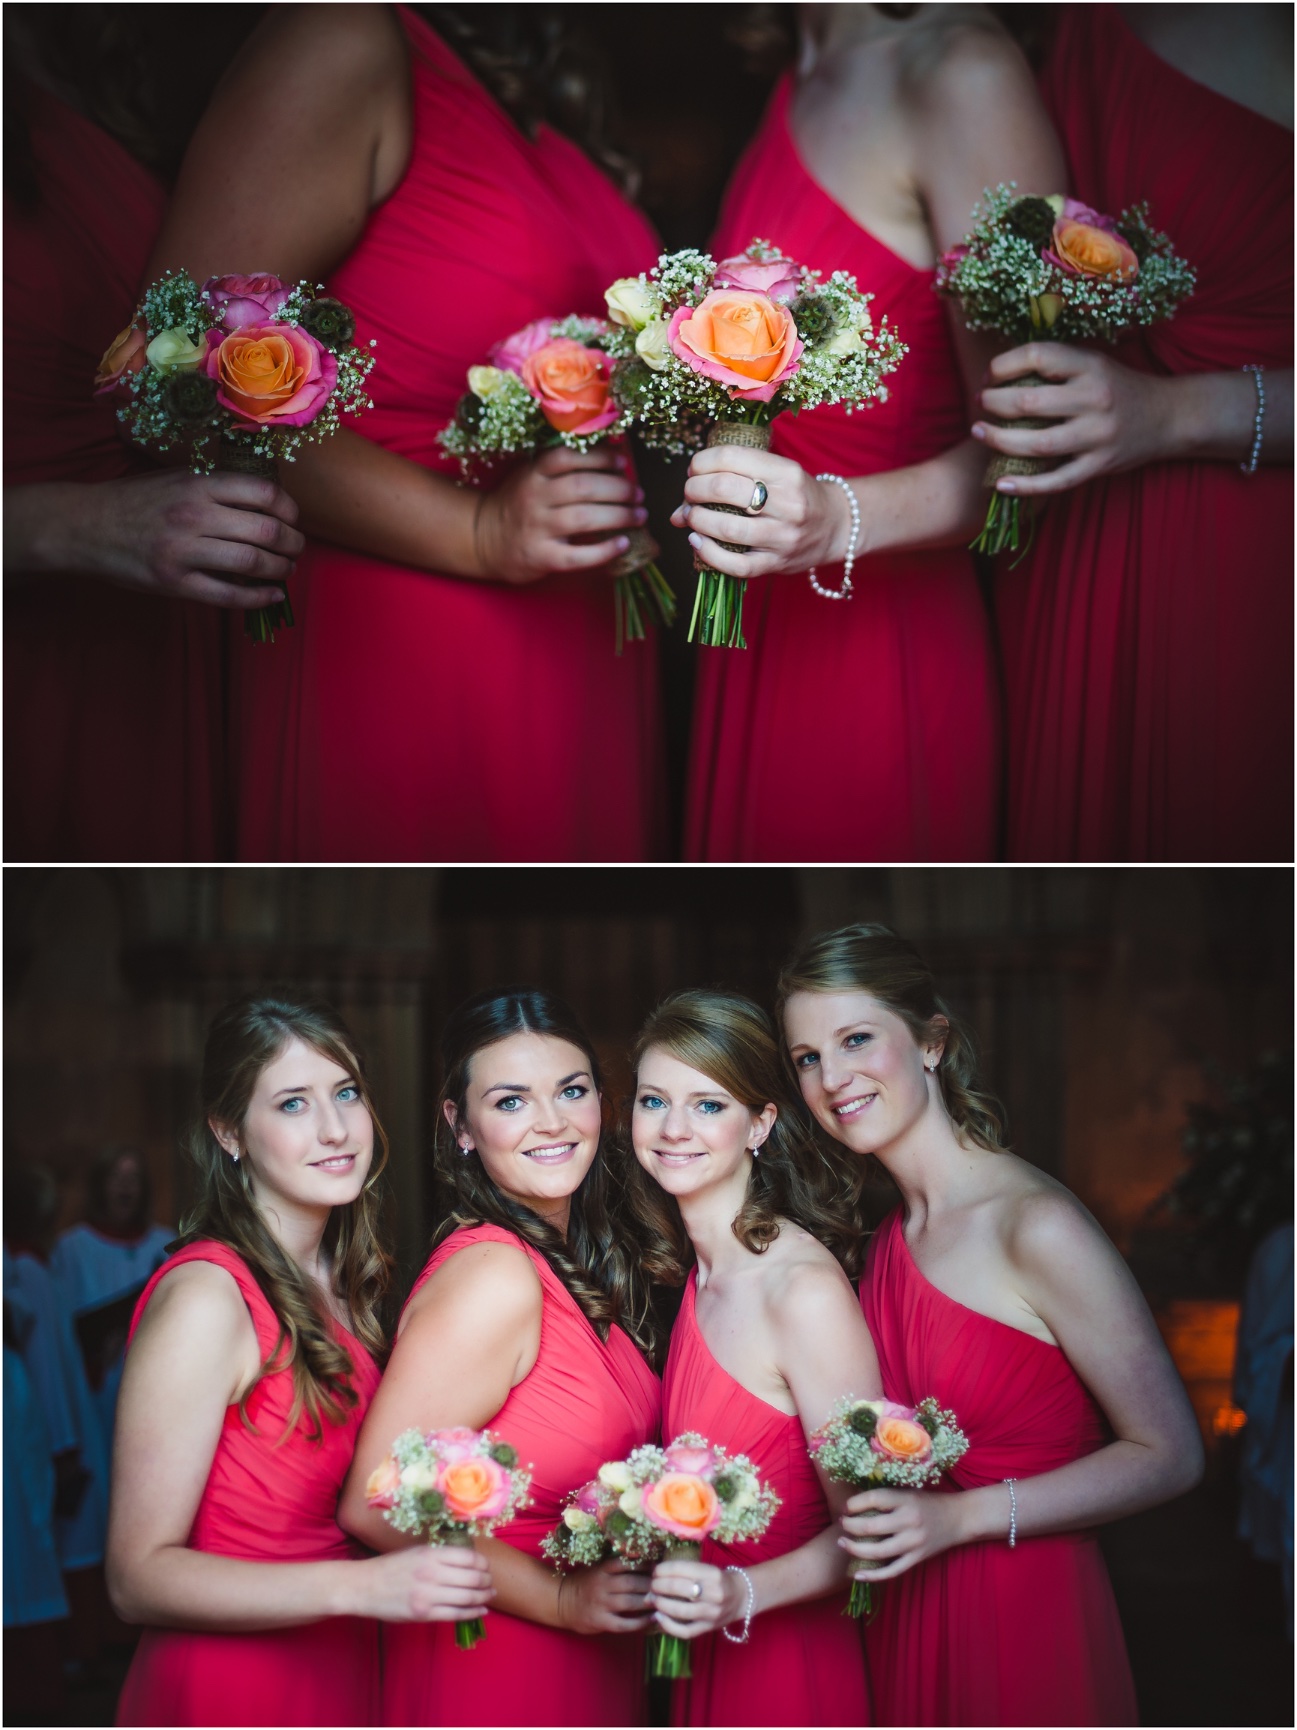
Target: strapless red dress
[
  {"x": 803, "y": 1663},
  {"x": 457, "y": 720},
  {"x": 582, "y": 1402},
  {"x": 270, "y": 1501},
  {"x": 1148, "y": 636},
  {"x": 860, "y": 729},
  {"x": 984, "y": 1634},
  {"x": 113, "y": 699}
]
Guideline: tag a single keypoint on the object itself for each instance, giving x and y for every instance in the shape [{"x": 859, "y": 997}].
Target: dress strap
[{"x": 263, "y": 1316}]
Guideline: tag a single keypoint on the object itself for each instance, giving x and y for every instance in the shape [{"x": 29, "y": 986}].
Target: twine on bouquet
[
  {"x": 1004, "y": 527},
  {"x": 718, "y": 601}
]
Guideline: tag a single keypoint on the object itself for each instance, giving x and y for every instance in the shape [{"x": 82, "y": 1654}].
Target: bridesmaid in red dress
[
  {"x": 879, "y": 713},
  {"x": 1148, "y": 635},
  {"x": 251, "y": 1364},
  {"x": 769, "y": 1337},
  {"x": 437, "y": 699},
  {"x": 530, "y": 1318},
  {"x": 993, "y": 1289}
]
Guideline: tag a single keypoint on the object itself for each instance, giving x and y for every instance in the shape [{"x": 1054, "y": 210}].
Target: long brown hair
[
  {"x": 872, "y": 958},
  {"x": 599, "y": 1261},
  {"x": 796, "y": 1176},
  {"x": 243, "y": 1039}
]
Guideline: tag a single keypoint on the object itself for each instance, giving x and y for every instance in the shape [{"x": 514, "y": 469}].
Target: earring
[
  {"x": 235, "y": 1156},
  {"x": 465, "y": 1148}
]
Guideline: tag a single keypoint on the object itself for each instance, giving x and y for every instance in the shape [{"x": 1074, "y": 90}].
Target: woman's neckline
[
  {"x": 691, "y": 1298},
  {"x": 995, "y": 1321},
  {"x": 1196, "y": 83}
]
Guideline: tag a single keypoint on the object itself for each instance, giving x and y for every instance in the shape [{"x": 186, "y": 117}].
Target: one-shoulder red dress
[
  {"x": 866, "y": 728},
  {"x": 112, "y": 701},
  {"x": 984, "y": 1634},
  {"x": 1148, "y": 635},
  {"x": 803, "y": 1663},
  {"x": 456, "y": 719},
  {"x": 266, "y": 1500},
  {"x": 581, "y": 1403}
]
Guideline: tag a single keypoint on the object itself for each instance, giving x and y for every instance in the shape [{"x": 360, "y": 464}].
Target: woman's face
[
  {"x": 689, "y": 1134},
  {"x": 532, "y": 1112},
  {"x": 307, "y": 1138},
  {"x": 862, "y": 1073}
]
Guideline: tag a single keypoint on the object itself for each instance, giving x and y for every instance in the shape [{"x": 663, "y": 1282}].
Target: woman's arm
[
  {"x": 975, "y": 119},
  {"x": 470, "y": 1335},
  {"x": 194, "y": 1354},
  {"x": 309, "y": 131},
  {"x": 824, "y": 1351},
  {"x": 1074, "y": 1279},
  {"x": 1113, "y": 418}
]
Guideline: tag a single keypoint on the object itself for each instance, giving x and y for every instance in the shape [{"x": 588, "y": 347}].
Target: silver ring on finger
[
  {"x": 697, "y": 1591},
  {"x": 760, "y": 493}
]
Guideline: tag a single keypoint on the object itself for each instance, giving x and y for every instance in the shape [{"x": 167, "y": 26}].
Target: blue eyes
[
  {"x": 577, "y": 1091},
  {"x": 655, "y": 1102},
  {"x": 652, "y": 1102},
  {"x": 710, "y": 1107},
  {"x": 852, "y": 1042},
  {"x": 514, "y": 1102},
  {"x": 348, "y": 1094}
]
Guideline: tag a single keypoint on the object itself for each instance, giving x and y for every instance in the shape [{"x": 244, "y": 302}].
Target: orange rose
[
  {"x": 901, "y": 1439},
  {"x": 383, "y": 1483},
  {"x": 570, "y": 382},
  {"x": 475, "y": 1488},
  {"x": 683, "y": 1504},
  {"x": 744, "y": 340},
  {"x": 125, "y": 355},
  {"x": 271, "y": 374},
  {"x": 1089, "y": 251}
]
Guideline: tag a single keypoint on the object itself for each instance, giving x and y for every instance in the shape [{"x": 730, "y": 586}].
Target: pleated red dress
[
  {"x": 456, "y": 719},
  {"x": 803, "y": 1663},
  {"x": 265, "y": 1501},
  {"x": 867, "y": 728},
  {"x": 1148, "y": 636},
  {"x": 112, "y": 703},
  {"x": 983, "y": 1634},
  {"x": 581, "y": 1403}
]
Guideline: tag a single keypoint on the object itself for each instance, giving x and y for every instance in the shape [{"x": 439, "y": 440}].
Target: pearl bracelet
[
  {"x": 1258, "y": 374},
  {"x": 1013, "y": 1513},
  {"x": 750, "y": 1605},
  {"x": 844, "y": 593}
]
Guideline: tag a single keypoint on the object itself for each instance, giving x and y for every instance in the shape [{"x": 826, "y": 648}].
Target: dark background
[{"x": 1105, "y": 1002}]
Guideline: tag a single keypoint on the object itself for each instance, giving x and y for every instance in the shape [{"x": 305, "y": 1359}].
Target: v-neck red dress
[
  {"x": 582, "y": 1402},
  {"x": 983, "y": 1634},
  {"x": 268, "y": 1499},
  {"x": 412, "y": 716},
  {"x": 866, "y": 728},
  {"x": 803, "y": 1663}
]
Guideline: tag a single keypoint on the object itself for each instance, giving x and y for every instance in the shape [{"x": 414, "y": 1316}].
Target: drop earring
[{"x": 465, "y": 1148}]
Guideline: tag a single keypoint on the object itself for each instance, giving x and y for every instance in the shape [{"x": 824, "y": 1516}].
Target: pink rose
[
  {"x": 270, "y": 374},
  {"x": 454, "y": 1444},
  {"x": 382, "y": 1484},
  {"x": 742, "y": 339},
  {"x": 590, "y": 1499},
  {"x": 683, "y": 1458},
  {"x": 1074, "y": 211},
  {"x": 125, "y": 356},
  {"x": 778, "y": 277},
  {"x": 952, "y": 256},
  {"x": 475, "y": 1488},
  {"x": 240, "y": 300},
  {"x": 514, "y": 350}
]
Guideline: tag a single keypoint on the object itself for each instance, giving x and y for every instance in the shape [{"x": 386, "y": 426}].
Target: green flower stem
[
  {"x": 467, "y": 1634},
  {"x": 641, "y": 598},
  {"x": 1008, "y": 527},
  {"x": 861, "y": 1601},
  {"x": 668, "y": 1654}
]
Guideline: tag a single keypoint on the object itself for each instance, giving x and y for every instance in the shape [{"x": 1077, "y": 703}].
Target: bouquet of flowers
[
  {"x": 717, "y": 350},
  {"x": 872, "y": 1443},
  {"x": 1053, "y": 268},
  {"x": 241, "y": 372},
  {"x": 661, "y": 1502},
  {"x": 450, "y": 1486},
  {"x": 548, "y": 384}
]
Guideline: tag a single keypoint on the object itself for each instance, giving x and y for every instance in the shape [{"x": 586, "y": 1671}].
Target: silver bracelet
[
  {"x": 749, "y": 1607},
  {"x": 1013, "y": 1513},
  {"x": 844, "y": 593},
  {"x": 1258, "y": 374}
]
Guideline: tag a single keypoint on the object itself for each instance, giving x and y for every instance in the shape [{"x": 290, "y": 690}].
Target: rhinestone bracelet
[
  {"x": 1013, "y": 1513},
  {"x": 844, "y": 593},
  {"x": 750, "y": 1605},
  {"x": 1258, "y": 374}
]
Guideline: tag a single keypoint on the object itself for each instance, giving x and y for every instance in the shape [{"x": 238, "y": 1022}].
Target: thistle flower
[{"x": 329, "y": 321}]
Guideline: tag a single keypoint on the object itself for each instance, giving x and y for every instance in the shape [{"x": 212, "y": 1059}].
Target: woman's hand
[
  {"x": 525, "y": 529},
  {"x": 900, "y": 1528},
  {"x": 692, "y": 1598},
  {"x": 803, "y": 522},
  {"x": 1109, "y": 416},
  {"x": 225, "y": 539},
  {"x": 610, "y": 1599},
  {"x": 429, "y": 1583}
]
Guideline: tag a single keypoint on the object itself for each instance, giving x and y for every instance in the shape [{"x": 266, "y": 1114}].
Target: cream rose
[
  {"x": 487, "y": 381},
  {"x": 174, "y": 351},
  {"x": 419, "y": 1478},
  {"x": 630, "y": 303},
  {"x": 652, "y": 347},
  {"x": 615, "y": 1475},
  {"x": 630, "y": 1501}
]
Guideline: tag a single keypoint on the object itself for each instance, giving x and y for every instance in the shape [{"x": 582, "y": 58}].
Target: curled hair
[
  {"x": 873, "y": 959},
  {"x": 796, "y": 1176},
  {"x": 243, "y": 1039},
  {"x": 599, "y": 1260}
]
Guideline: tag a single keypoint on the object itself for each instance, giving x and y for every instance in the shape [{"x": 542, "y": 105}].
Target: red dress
[
  {"x": 265, "y": 1503},
  {"x": 581, "y": 1403},
  {"x": 455, "y": 719},
  {"x": 860, "y": 729},
  {"x": 112, "y": 697},
  {"x": 1148, "y": 636},
  {"x": 803, "y": 1663},
  {"x": 983, "y": 1634}
]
